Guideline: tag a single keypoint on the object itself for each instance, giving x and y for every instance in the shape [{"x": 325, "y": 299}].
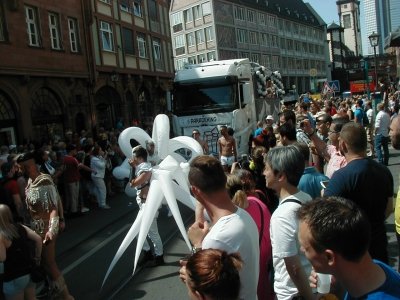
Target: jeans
[{"x": 382, "y": 142}]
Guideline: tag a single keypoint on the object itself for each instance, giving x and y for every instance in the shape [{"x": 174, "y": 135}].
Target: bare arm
[
  {"x": 297, "y": 274},
  {"x": 389, "y": 207},
  {"x": 38, "y": 242},
  {"x": 3, "y": 250},
  {"x": 142, "y": 178},
  {"x": 234, "y": 148},
  {"x": 319, "y": 144},
  {"x": 220, "y": 148}
]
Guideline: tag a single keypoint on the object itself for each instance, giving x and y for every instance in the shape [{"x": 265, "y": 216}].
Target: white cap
[{"x": 269, "y": 117}]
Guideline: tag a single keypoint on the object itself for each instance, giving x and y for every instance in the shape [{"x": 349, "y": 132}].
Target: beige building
[{"x": 283, "y": 35}]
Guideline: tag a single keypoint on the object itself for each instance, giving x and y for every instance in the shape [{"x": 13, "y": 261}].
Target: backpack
[{"x": 365, "y": 120}]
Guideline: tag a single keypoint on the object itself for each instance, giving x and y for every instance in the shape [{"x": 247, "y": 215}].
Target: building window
[
  {"x": 124, "y": 5},
  {"x": 206, "y": 8},
  {"x": 275, "y": 62},
  {"x": 152, "y": 10},
  {"x": 188, "y": 15},
  {"x": 179, "y": 44},
  {"x": 346, "y": 21},
  {"x": 241, "y": 36},
  {"x": 176, "y": 22},
  {"x": 157, "y": 50},
  {"x": 201, "y": 58},
  {"x": 3, "y": 34},
  {"x": 106, "y": 36},
  {"x": 211, "y": 56},
  {"x": 209, "y": 34},
  {"x": 127, "y": 36},
  {"x": 251, "y": 16},
  {"x": 137, "y": 8},
  {"x": 73, "y": 34},
  {"x": 263, "y": 39},
  {"x": 141, "y": 40},
  {"x": 254, "y": 58},
  {"x": 33, "y": 26},
  {"x": 192, "y": 60},
  {"x": 191, "y": 41},
  {"x": 180, "y": 63},
  {"x": 197, "y": 12},
  {"x": 200, "y": 36},
  {"x": 54, "y": 27},
  {"x": 261, "y": 18},
  {"x": 253, "y": 37},
  {"x": 239, "y": 13}
]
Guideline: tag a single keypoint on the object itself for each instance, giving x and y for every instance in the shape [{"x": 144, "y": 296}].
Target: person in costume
[{"x": 42, "y": 200}]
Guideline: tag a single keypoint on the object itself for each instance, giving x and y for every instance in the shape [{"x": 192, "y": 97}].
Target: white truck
[{"x": 208, "y": 95}]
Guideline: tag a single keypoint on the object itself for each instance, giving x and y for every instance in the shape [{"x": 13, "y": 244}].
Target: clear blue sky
[{"x": 327, "y": 9}]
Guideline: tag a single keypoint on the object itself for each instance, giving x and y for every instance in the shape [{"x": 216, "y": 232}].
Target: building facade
[
  {"x": 349, "y": 18},
  {"x": 43, "y": 70},
  {"x": 81, "y": 64},
  {"x": 282, "y": 35},
  {"x": 377, "y": 19},
  {"x": 131, "y": 60}
]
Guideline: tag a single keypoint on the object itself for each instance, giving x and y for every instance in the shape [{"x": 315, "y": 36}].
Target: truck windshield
[{"x": 204, "y": 97}]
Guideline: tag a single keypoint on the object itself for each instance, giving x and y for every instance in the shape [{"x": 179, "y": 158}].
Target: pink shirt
[
  {"x": 264, "y": 290},
  {"x": 336, "y": 160}
]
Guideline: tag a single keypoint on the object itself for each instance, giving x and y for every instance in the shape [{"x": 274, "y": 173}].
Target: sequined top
[{"x": 41, "y": 200}]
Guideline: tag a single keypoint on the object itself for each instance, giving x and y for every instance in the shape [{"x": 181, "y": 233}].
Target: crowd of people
[
  {"x": 310, "y": 187},
  {"x": 261, "y": 230},
  {"x": 41, "y": 186}
]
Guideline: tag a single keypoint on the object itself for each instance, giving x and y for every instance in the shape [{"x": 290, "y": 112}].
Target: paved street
[{"x": 86, "y": 249}]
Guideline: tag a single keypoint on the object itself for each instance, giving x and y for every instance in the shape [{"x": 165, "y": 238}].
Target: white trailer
[{"x": 208, "y": 95}]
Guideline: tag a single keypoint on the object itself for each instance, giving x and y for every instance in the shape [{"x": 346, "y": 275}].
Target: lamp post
[{"x": 374, "y": 40}]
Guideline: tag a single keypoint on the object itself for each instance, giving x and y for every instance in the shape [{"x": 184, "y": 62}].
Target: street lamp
[{"x": 374, "y": 40}]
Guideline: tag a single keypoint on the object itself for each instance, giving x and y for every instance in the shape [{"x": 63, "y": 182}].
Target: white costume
[{"x": 153, "y": 234}]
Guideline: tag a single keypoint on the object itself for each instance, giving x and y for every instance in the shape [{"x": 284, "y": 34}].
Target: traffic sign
[
  {"x": 327, "y": 89},
  {"x": 334, "y": 85}
]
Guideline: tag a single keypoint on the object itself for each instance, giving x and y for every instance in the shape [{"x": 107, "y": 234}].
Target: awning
[{"x": 393, "y": 40}]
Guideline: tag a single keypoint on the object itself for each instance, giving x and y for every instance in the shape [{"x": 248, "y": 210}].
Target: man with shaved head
[{"x": 365, "y": 182}]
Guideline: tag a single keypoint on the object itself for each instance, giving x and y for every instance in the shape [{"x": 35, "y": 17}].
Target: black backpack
[{"x": 365, "y": 118}]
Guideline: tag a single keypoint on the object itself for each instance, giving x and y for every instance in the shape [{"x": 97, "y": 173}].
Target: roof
[
  {"x": 295, "y": 10},
  {"x": 334, "y": 26}
]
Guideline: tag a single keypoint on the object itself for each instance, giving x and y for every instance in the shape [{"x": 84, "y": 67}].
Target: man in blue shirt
[
  {"x": 334, "y": 235},
  {"x": 310, "y": 181}
]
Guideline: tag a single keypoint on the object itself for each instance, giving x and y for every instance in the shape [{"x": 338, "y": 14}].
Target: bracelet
[
  {"x": 53, "y": 226},
  {"x": 195, "y": 249}
]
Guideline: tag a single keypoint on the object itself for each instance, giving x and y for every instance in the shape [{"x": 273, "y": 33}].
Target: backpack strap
[{"x": 292, "y": 200}]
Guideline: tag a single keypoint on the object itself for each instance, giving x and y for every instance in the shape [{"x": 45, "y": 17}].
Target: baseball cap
[{"x": 269, "y": 117}]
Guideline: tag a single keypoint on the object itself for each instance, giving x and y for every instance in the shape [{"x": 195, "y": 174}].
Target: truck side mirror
[{"x": 246, "y": 93}]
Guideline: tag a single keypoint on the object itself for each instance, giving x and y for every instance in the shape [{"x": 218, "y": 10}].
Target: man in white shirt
[
  {"x": 370, "y": 128},
  {"x": 231, "y": 229},
  {"x": 284, "y": 167},
  {"x": 382, "y": 123}
]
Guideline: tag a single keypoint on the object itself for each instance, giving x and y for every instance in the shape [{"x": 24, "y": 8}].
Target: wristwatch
[{"x": 195, "y": 249}]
